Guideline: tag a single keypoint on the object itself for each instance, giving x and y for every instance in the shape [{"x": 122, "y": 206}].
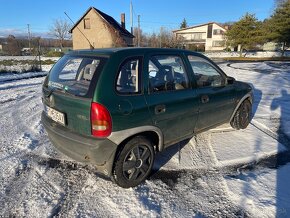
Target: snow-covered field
[
  {"x": 18, "y": 67},
  {"x": 219, "y": 173},
  {"x": 257, "y": 54}
]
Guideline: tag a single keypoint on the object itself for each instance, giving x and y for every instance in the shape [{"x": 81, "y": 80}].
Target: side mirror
[{"x": 230, "y": 80}]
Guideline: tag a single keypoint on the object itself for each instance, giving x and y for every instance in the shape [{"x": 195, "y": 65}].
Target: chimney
[{"x": 123, "y": 20}]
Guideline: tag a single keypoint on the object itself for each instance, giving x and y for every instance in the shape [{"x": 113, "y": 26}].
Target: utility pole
[
  {"x": 161, "y": 30},
  {"x": 131, "y": 16},
  {"x": 39, "y": 54},
  {"x": 139, "y": 35},
  {"x": 29, "y": 38}
]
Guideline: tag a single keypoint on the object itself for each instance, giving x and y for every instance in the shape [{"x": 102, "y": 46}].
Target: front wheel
[
  {"x": 134, "y": 162},
  {"x": 243, "y": 115}
]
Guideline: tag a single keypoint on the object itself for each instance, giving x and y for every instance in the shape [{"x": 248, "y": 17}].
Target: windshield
[{"x": 73, "y": 74}]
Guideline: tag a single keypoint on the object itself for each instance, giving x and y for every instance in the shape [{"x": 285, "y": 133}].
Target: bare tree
[
  {"x": 60, "y": 30},
  {"x": 12, "y": 47},
  {"x": 168, "y": 39}
]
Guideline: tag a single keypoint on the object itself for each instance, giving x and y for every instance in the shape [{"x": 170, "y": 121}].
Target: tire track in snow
[
  {"x": 201, "y": 186},
  {"x": 33, "y": 177},
  {"x": 20, "y": 117},
  {"x": 280, "y": 137},
  {"x": 74, "y": 185},
  {"x": 23, "y": 176},
  {"x": 210, "y": 177}
]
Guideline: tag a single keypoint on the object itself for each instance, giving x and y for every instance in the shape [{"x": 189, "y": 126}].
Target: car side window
[
  {"x": 205, "y": 74},
  {"x": 167, "y": 73},
  {"x": 128, "y": 80}
]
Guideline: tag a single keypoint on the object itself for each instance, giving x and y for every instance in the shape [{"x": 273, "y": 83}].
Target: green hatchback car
[{"x": 116, "y": 108}]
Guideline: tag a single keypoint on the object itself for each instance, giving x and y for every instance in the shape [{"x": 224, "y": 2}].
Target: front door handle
[
  {"x": 204, "y": 99},
  {"x": 160, "y": 109}
]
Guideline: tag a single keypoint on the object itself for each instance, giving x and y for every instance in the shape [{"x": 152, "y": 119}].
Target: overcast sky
[{"x": 16, "y": 14}]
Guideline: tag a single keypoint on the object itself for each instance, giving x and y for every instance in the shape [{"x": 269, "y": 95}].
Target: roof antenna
[{"x": 91, "y": 46}]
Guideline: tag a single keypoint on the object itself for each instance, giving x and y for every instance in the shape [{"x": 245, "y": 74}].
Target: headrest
[{"x": 89, "y": 71}]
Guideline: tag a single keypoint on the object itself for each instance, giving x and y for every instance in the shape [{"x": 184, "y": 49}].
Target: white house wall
[{"x": 211, "y": 44}]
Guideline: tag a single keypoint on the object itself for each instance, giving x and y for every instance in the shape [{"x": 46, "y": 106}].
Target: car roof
[{"x": 110, "y": 51}]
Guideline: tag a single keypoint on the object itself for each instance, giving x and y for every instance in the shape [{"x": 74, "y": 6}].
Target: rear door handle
[
  {"x": 160, "y": 109},
  {"x": 204, "y": 99}
]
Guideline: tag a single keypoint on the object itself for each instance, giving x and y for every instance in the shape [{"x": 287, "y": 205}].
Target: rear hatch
[{"x": 68, "y": 91}]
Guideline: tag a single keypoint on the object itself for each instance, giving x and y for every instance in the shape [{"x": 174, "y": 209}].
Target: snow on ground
[
  {"x": 17, "y": 76},
  {"x": 256, "y": 54},
  {"x": 219, "y": 173}
]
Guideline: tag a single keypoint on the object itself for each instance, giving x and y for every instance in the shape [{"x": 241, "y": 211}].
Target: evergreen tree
[
  {"x": 247, "y": 33},
  {"x": 277, "y": 27},
  {"x": 183, "y": 24}
]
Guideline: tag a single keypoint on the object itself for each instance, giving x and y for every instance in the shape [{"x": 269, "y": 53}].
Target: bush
[
  {"x": 197, "y": 48},
  {"x": 54, "y": 54},
  {"x": 11, "y": 62},
  {"x": 227, "y": 49}
]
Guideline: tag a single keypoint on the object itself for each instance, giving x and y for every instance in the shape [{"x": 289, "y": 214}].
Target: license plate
[{"x": 55, "y": 115}]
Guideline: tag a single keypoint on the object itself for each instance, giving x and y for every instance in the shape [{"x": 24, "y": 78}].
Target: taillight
[{"x": 100, "y": 120}]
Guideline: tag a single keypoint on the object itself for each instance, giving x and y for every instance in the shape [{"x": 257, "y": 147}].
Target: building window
[
  {"x": 218, "y": 32},
  {"x": 196, "y": 36},
  {"x": 218, "y": 43},
  {"x": 87, "y": 24}
]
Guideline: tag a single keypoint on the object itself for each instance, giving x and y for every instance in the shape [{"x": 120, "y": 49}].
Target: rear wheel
[
  {"x": 242, "y": 117},
  {"x": 134, "y": 162}
]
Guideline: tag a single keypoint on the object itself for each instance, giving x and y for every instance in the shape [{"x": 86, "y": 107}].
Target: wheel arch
[
  {"x": 152, "y": 133},
  {"x": 249, "y": 97}
]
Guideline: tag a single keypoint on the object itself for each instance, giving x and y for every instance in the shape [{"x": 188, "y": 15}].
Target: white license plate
[{"x": 55, "y": 115}]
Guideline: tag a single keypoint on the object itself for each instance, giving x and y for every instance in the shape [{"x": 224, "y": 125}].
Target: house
[
  {"x": 204, "y": 37},
  {"x": 95, "y": 29},
  {"x": 26, "y": 51}
]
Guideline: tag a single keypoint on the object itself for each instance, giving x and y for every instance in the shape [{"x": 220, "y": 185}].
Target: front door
[
  {"x": 172, "y": 102},
  {"x": 217, "y": 98}
]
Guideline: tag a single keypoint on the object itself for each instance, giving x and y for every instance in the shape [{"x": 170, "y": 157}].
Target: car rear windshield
[{"x": 74, "y": 74}]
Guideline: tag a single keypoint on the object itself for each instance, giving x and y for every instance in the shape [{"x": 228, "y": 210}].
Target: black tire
[
  {"x": 134, "y": 162},
  {"x": 243, "y": 116}
]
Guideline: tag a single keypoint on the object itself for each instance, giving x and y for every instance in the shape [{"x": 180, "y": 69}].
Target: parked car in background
[{"x": 116, "y": 108}]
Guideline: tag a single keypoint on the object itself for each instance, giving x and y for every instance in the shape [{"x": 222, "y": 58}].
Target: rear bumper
[{"x": 100, "y": 152}]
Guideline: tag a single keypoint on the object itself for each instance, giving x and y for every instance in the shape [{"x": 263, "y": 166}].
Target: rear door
[
  {"x": 172, "y": 102},
  {"x": 216, "y": 98}
]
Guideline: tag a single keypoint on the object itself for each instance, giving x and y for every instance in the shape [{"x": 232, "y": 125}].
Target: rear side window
[
  {"x": 129, "y": 79},
  {"x": 205, "y": 74},
  {"x": 74, "y": 74}
]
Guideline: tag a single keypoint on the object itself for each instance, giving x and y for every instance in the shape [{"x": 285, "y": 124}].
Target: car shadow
[
  {"x": 257, "y": 98},
  {"x": 166, "y": 155}
]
